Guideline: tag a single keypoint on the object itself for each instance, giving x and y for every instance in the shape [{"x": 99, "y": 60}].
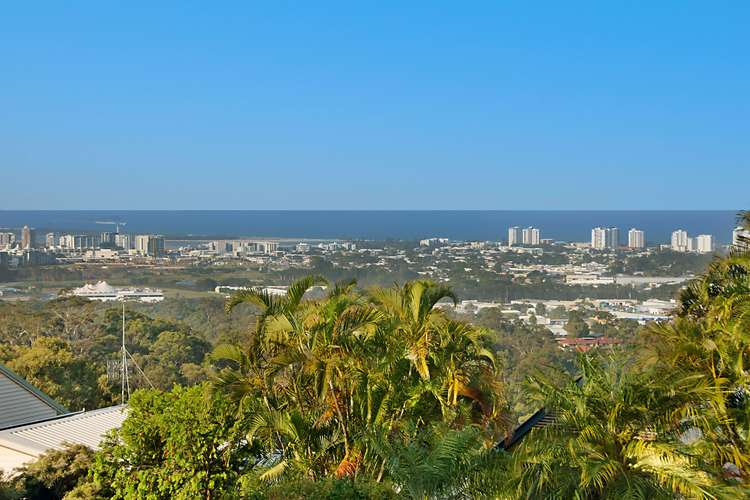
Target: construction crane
[{"x": 117, "y": 224}]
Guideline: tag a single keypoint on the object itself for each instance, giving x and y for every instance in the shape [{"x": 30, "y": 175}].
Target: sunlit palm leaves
[{"x": 322, "y": 376}]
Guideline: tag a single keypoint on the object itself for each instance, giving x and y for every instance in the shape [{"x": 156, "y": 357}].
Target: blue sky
[{"x": 375, "y": 105}]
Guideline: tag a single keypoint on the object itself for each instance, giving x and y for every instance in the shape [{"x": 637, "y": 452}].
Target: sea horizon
[{"x": 466, "y": 225}]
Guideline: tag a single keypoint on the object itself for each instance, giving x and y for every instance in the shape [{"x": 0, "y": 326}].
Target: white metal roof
[{"x": 87, "y": 428}]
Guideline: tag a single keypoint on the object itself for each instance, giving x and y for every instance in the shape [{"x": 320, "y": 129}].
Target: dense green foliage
[
  {"x": 70, "y": 347},
  {"x": 376, "y": 393},
  {"x": 51, "y": 476}
]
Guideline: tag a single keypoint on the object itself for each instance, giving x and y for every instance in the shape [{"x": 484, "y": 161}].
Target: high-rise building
[
  {"x": 605, "y": 237},
  {"x": 106, "y": 239},
  {"x": 599, "y": 238},
  {"x": 51, "y": 240},
  {"x": 151, "y": 245},
  {"x": 679, "y": 241},
  {"x": 740, "y": 236},
  {"x": 141, "y": 244},
  {"x": 692, "y": 244},
  {"x": 124, "y": 241},
  {"x": 156, "y": 246},
  {"x": 7, "y": 239},
  {"x": 530, "y": 236},
  {"x": 614, "y": 237},
  {"x": 704, "y": 243},
  {"x": 636, "y": 238},
  {"x": 28, "y": 237},
  {"x": 77, "y": 241},
  {"x": 515, "y": 236}
]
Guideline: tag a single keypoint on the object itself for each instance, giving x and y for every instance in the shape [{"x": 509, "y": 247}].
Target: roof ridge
[{"x": 35, "y": 391}]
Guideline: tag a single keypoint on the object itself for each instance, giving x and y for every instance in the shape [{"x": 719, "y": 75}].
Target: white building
[
  {"x": 273, "y": 290},
  {"x": 151, "y": 245},
  {"x": 52, "y": 239},
  {"x": 305, "y": 247},
  {"x": 105, "y": 292},
  {"x": 530, "y": 236},
  {"x": 636, "y": 238},
  {"x": 141, "y": 244},
  {"x": 692, "y": 244},
  {"x": 679, "y": 241},
  {"x": 77, "y": 241},
  {"x": 124, "y": 241},
  {"x": 515, "y": 236},
  {"x": 605, "y": 237},
  {"x": 705, "y": 243},
  {"x": 240, "y": 248},
  {"x": 7, "y": 239}
]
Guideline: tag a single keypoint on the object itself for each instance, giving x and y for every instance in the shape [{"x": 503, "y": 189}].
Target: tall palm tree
[
  {"x": 322, "y": 376},
  {"x": 412, "y": 310}
]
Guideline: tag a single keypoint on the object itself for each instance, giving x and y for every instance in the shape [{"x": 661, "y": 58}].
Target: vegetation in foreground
[{"x": 376, "y": 394}]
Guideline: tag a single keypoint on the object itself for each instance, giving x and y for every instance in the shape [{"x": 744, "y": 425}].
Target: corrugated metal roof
[
  {"x": 87, "y": 428},
  {"x": 22, "y": 403}
]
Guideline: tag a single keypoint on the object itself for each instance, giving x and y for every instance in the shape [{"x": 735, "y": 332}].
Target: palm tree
[
  {"x": 439, "y": 462},
  {"x": 709, "y": 338},
  {"x": 616, "y": 434},
  {"x": 411, "y": 308},
  {"x": 322, "y": 376}
]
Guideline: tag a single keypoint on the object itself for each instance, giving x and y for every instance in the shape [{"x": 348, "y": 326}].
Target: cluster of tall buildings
[
  {"x": 151, "y": 245},
  {"x": 526, "y": 236},
  {"x": 144, "y": 244},
  {"x": 243, "y": 247},
  {"x": 682, "y": 242},
  {"x": 27, "y": 241},
  {"x": 603, "y": 238}
]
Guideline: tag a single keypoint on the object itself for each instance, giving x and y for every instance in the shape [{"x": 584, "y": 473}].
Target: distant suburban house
[
  {"x": 32, "y": 423},
  {"x": 586, "y": 343}
]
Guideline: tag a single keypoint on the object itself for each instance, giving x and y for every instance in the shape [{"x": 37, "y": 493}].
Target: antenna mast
[{"x": 124, "y": 382}]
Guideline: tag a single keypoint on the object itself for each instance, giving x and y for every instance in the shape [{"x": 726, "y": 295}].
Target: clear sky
[{"x": 369, "y": 105}]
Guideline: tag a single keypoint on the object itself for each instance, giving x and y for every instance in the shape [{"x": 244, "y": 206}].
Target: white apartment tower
[
  {"x": 531, "y": 236},
  {"x": 141, "y": 244},
  {"x": 704, "y": 243},
  {"x": 605, "y": 237},
  {"x": 7, "y": 239},
  {"x": 515, "y": 236},
  {"x": 52, "y": 239},
  {"x": 124, "y": 241},
  {"x": 636, "y": 238},
  {"x": 599, "y": 238},
  {"x": 680, "y": 241},
  {"x": 151, "y": 245}
]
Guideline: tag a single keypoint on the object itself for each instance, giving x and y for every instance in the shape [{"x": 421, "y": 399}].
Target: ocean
[{"x": 372, "y": 224}]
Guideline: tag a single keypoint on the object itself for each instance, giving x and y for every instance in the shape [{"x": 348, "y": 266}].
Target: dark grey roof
[{"x": 22, "y": 403}]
